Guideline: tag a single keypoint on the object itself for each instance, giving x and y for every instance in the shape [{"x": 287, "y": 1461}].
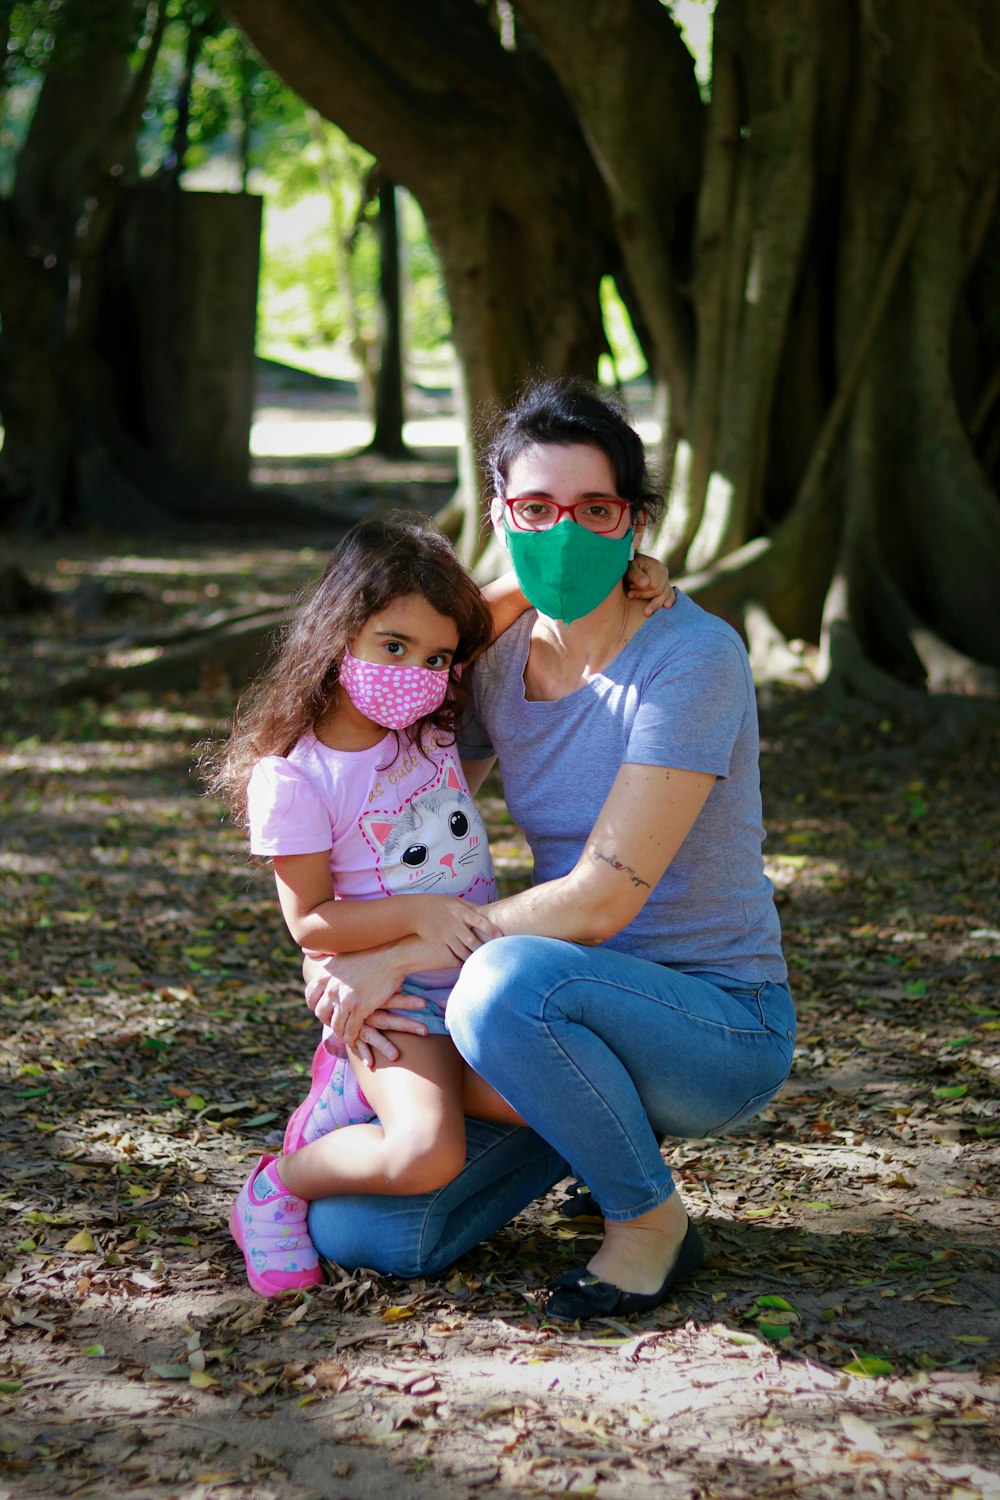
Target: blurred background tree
[{"x": 793, "y": 231}]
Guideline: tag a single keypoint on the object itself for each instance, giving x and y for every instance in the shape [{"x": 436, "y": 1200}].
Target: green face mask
[{"x": 566, "y": 572}]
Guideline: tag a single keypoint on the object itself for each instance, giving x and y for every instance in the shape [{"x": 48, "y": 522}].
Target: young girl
[{"x": 342, "y": 761}]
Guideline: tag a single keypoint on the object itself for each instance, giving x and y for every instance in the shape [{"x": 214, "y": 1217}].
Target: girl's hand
[
  {"x": 647, "y": 578},
  {"x": 450, "y": 923},
  {"x": 348, "y": 993}
]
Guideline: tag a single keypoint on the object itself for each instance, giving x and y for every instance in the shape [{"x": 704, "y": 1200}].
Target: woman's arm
[
  {"x": 646, "y": 817},
  {"x": 454, "y": 928}
]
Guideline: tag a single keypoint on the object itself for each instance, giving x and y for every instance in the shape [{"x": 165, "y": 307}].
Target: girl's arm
[
  {"x": 351, "y": 992},
  {"x": 504, "y": 600},
  {"x": 647, "y": 578},
  {"x": 450, "y": 928}
]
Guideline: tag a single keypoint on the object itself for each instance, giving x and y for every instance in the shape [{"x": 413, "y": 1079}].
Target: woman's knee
[{"x": 495, "y": 987}]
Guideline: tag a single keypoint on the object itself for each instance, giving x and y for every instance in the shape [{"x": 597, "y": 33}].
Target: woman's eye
[{"x": 597, "y": 512}]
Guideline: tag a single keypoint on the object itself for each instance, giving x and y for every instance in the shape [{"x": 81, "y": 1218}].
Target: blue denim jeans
[{"x": 603, "y": 1055}]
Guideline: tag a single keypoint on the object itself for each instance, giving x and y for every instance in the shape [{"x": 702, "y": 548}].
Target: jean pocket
[{"x": 750, "y": 996}]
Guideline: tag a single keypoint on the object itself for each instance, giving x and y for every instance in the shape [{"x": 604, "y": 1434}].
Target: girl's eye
[
  {"x": 395, "y": 648},
  {"x": 438, "y": 663}
]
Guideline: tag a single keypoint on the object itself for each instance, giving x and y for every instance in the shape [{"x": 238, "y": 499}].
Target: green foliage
[
  {"x": 29, "y": 33},
  {"x": 244, "y": 126},
  {"x": 319, "y": 228},
  {"x": 319, "y": 261},
  {"x": 428, "y": 315},
  {"x": 33, "y": 25},
  {"x": 236, "y": 102},
  {"x": 626, "y": 360}
]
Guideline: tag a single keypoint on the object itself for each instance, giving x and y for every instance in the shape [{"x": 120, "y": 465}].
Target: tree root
[
  {"x": 20, "y": 596},
  {"x": 944, "y": 721},
  {"x": 234, "y": 647},
  {"x": 771, "y": 657}
]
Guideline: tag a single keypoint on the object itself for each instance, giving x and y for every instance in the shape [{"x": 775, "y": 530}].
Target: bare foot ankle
[{"x": 637, "y": 1254}]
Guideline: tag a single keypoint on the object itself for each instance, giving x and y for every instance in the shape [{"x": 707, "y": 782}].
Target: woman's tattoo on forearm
[{"x": 616, "y": 864}]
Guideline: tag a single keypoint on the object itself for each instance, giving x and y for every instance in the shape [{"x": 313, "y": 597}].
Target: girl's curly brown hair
[{"x": 377, "y": 561}]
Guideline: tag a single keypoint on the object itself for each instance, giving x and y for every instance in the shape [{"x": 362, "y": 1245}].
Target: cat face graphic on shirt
[{"x": 436, "y": 845}]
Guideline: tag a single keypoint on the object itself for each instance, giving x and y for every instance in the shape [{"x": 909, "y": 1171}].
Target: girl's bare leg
[
  {"x": 481, "y": 1101},
  {"x": 418, "y": 1143}
]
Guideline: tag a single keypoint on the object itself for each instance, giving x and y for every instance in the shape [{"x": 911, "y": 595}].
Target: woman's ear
[{"x": 496, "y": 517}]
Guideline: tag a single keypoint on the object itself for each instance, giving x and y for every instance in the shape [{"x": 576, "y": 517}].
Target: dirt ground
[{"x": 844, "y": 1336}]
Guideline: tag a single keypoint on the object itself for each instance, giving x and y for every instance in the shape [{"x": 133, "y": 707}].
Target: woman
[{"x": 639, "y": 989}]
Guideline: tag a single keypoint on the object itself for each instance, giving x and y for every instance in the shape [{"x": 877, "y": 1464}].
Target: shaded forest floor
[{"x": 844, "y": 1337}]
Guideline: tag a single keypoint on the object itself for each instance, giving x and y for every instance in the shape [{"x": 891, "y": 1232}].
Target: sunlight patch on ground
[
  {"x": 208, "y": 564},
  {"x": 273, "y": 435},
  {"x": 802, "y": 871},
  {"x": 103, "y": 754},
  {"x": 27, "y": 864},
  {"x": 161, "y": 719}
]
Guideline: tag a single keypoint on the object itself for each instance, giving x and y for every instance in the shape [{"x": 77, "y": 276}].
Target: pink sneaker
[
  {"x": 273, "y": 1235},
  {"x": 334, "y": 1099}
]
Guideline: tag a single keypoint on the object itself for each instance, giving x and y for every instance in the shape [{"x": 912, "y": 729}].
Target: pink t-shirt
[{"x": 395, "y": 820}]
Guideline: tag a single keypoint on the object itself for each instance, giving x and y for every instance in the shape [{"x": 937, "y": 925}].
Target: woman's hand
[
  {"x": 349, "y": 992},
  {"x": 450, "y": 923},
  {"x": 647, "y": 578}
]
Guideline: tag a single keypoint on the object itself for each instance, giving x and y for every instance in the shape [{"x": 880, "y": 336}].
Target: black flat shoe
[
  {"x": 581, "y": 1294},
  {"x": 579, "y": 1203}
]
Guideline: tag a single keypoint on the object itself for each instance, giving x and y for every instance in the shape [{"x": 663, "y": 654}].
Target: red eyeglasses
[{"x": 530, "y": 513}]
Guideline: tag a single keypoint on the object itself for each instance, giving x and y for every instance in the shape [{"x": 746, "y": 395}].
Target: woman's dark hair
[
  {"x": 570, "y": 410},
  {"x": 377, "y": 561}
]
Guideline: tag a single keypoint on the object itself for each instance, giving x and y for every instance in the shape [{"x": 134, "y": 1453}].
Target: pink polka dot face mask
[{"x": 394, "y": 697}]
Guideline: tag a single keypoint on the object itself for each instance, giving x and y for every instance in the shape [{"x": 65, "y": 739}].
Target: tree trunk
[
  {"x": 780, "y": 60},
  {"x": 389, "y": 414},
  {"x": 894, "y": 513},
  {"x": 485, "y": 141},
  {"x": 631, "y": 82},
  {"x": 190, "y": 263},
  {"x": 47, "y": 236},
  {"x": 922, "y": 530}
]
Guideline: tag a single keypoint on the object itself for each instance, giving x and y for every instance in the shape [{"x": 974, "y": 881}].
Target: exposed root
[
  {"x": 771, "y": 657},
  {"x": 944, "y": 721},
  {"x": 236, "y": 648}
]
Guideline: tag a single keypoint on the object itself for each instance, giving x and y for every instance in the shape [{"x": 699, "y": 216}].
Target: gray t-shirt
[{"x": 679, "y": 694}]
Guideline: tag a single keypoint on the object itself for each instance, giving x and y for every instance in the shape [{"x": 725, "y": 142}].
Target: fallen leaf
[
  {"x": 81, "y": 1244},
  {"x": 869, "y": 1365},
  {"x": 330, "y": 1375},
  {"x": 862, "y": 1434}
]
